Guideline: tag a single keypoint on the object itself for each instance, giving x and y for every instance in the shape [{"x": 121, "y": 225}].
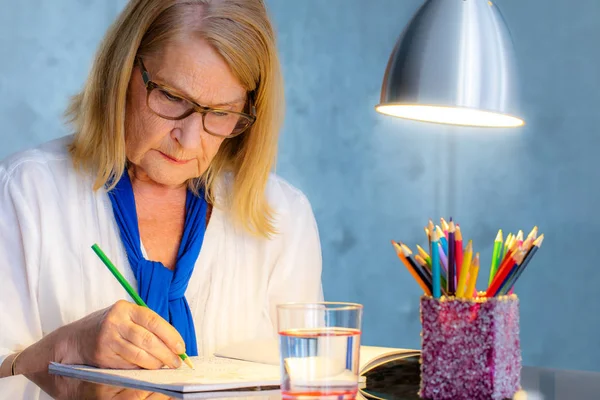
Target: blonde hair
[{"x": 242, "y": 34}]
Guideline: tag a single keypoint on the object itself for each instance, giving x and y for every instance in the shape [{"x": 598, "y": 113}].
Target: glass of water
[{"x": 319, "y": 345}]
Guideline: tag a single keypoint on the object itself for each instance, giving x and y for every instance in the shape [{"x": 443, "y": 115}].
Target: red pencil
[
  {"x": 514, "y": 258},
  {"x": 458, "y": 240}
]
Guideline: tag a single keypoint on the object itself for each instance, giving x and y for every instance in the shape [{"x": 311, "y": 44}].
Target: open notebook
[
  {"x": 267, "y": 352},
  {"x": 249, "y": 365}
]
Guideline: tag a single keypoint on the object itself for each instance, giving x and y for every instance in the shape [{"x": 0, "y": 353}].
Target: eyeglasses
[{"x": 163, "y": 102}]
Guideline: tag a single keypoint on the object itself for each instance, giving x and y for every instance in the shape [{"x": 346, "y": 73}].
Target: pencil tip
[
  {"x": 520, "y": 235},
  {"x": 188, "y": 362},
  {"x": 539, "y": 240}
]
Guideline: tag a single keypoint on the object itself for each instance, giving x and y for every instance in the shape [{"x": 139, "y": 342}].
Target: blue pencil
[
  {"x": 435, "y": 267},
  {"x": 442, "y": 238}
]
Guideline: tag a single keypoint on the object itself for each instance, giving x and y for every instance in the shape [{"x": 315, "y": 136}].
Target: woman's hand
[{"x": 124, "y": 336}]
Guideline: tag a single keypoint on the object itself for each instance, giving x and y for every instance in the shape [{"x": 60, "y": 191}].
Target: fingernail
[
  {"x": 177, "y": 362},
  {"x": 180, "y": 348}
]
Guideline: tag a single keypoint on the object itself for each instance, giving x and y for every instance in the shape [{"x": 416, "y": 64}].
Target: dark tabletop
[{"x": 399, "y": 380}]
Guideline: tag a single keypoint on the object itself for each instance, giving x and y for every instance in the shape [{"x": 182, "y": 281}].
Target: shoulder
[
  {"x": 48, "y": 160},
  {"x": 43, "y": 175},
  {"x": 286, "y": 199},
  {"x": 292, "y": 211}
]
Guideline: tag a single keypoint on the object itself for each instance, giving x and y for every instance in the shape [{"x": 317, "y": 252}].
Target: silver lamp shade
[{"x": 453, "y": 64}]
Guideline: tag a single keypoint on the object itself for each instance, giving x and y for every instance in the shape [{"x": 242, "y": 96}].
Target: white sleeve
[
  {"x": 296, "y": 276},
  {"x": 19, "y": 269}
]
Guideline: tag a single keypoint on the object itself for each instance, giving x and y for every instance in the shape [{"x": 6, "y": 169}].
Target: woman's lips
[{"x": 174, "y": 160}]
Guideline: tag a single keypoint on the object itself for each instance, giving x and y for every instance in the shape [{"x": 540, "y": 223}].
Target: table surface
[{"x": 396, "y": 381}]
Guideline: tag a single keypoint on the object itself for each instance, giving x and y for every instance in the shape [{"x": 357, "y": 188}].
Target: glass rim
[{"x": 336, "y": 305}]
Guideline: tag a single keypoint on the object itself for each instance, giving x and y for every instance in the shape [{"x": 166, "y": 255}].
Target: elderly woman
[{"x": 169, "y": 171}]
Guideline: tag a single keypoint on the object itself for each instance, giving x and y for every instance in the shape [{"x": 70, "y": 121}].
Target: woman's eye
[
  {"x": 170, "y": 97},
  {"x": 220, "y": 113}
]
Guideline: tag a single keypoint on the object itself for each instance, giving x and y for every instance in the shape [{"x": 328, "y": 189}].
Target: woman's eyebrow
[{"x": 183, "y": 93}]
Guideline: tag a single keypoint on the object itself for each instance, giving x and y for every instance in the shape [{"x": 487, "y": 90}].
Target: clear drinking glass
[{"x": 319, "y": 347}]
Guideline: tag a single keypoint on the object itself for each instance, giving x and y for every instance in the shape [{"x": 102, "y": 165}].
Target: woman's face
[{"x": 171, "y": 152}]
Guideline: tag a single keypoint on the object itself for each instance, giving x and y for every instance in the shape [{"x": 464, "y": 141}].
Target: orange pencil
[{"x": 412, "y": 271}]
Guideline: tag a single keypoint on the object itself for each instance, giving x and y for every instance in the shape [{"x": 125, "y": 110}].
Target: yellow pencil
[
  {"x": 424, "y": 254},
  {"x": 421, "y": 261},
  {"x": 474, "y": 271},
  {"x": 429, "y": 230},
  {"x": 461, "y": 290},
  {"x": 506, "y": 245},
  {"x": 445, "y": 226}
]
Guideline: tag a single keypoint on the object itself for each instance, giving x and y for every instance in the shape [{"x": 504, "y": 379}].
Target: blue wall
[{"x": 372, "y": 178}]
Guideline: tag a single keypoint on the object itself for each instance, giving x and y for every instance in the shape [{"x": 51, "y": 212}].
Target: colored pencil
[
  {"x": 445, "y": 227},
  {"x": 138, "y": 300},
  {"x": 426, "y": 262},
  {"x": 423, "y": 272},
  {"x": 496, "y": 256},
  {"x": 458, "y": 250},
  {"x": 422, "y": 261},
  {"x": 536, "y": 245},
  {"x": 461, "y": 289},
  {"x": 442, "y": 239},
  {"x": 449, "y": 269},
  {"x": 519, "y": 238},
  {"x": 515, "y": 258},
  {"x": 506, "y": 246},
  {"x": 451, "y": 259},
  {"x": 435, "y": 266},
  {"x": 533, "y": 233},
  {"x": 443, "y": 258},
  {"x": 427, "y": 266},
  {"x": 410, "y": 268},
  {"x": 473, "y": 273},
  {"x": 430, "y": 228},
  {"x": 424, "y": 254}
]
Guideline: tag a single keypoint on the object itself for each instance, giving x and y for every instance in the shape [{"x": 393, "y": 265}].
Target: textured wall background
[{"x": 372, "y": 178}]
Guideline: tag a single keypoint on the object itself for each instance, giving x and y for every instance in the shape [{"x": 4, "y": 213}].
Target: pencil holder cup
[{"x": 470, "y": 348}]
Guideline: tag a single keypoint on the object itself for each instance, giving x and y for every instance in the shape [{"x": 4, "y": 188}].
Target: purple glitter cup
[{"x": 470, "y": 348}]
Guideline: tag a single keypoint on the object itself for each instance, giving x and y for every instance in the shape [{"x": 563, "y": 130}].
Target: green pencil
[
  {"x": 496, "y": 255},
  {"x": 138, "y": 300}
]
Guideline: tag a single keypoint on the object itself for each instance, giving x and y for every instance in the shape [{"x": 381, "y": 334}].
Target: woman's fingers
[
  {"x": 148, "y": 341},
  {"x": 132, "y": 354},
  {"x": 164, "y": 331}
]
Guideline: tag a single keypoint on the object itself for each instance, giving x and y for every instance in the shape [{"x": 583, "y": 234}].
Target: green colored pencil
[
  {"x": 496, "y": 256},
  {"x": 138, "y": 300}
]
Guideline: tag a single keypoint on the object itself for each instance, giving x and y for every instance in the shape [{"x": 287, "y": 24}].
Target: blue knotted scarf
[{"x": 163, "y": 290}]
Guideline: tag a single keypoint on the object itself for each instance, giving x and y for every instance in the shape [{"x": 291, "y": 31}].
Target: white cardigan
[{"x": 49, "y": 275}]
